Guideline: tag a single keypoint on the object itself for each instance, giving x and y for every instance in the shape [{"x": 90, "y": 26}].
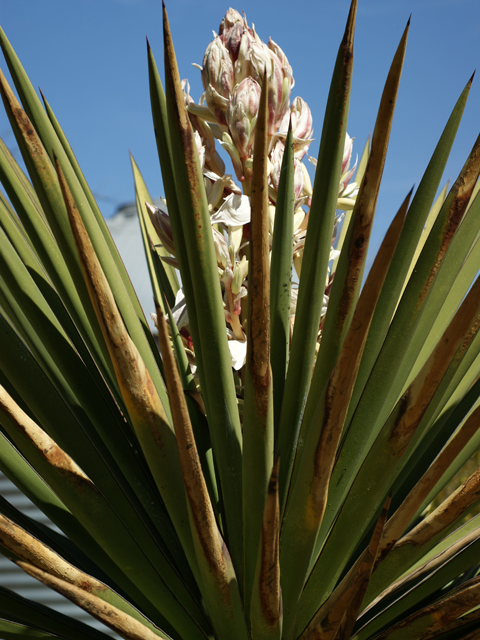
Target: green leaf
[
  {"x": 220, "y": 587},
  {"x": 16, "y": 631},
  {"x": 281, "y": 276},
  {"x": 308, "y": 495},
  {"x": 20, "y": 611},
  {"x": 362, "y": 417},
  {"x": 388, "y": 454},
  {"x": 348, "y": 276},
  {"x": 266, "y": 616},
  {"x": 161, "y": 274},
  {"x": 214, "y": 365},
  {"x": 39, "y": 162},
  {"x": 315, "y": 260},
  {"x": 82, "y": 498},
  {"x": 459, "y": 553},
  {"x": 86, "y": 598},
  {"x": 258, "y": 436}
]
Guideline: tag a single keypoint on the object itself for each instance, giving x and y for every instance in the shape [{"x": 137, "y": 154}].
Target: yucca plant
[{"x": 269, "y": 474}]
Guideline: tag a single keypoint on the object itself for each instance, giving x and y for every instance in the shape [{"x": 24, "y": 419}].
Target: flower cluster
[{"x": 233, "y": 71}]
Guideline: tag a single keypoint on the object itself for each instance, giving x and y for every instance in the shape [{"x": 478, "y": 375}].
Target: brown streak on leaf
[
  {"x": 270, "y": 592},
  {"x": 213, "y": 547},
  {"x": 28, "y": 132},
  {"x": 109, "y": 615},
  {"x": 258, "y": 326},
  {"x": 334, "y": 403},
  {"x": 458, "y": 626},
  {"x": 182, "y": 120},
  {"x": 452, "y": 344},
  {"x": 366, "y": 201},
  {"x": 137, "y": 387},
  {"x": 405, "y": 512},
  {"x": 347, "y": 41},
  {"x": 43, "y": 444},
  {"x": 460, "y": 195},
  {"x": 31, "y": 550},
  {"x": 425, "y": 570},
  {"x": 436, "y": 616},
  {"x": 337, "y": 616},
  {"x": 446, "y": 513}
]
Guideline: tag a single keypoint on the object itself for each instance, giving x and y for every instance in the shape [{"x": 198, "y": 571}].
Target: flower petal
[
  {"x": 238, "y": 353},
  {"x": 234, "y": 211}
]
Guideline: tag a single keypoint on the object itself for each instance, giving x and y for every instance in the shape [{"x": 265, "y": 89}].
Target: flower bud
[
  {"x": 302, "y": 130},
  {"x": 347, "y": 152},
  {"x": 252, "y": 60},
  {"x": 277, "y": 159},
  {"x": 271, "y": 218},
  {"x": 221, "y": 249},
  {"x": 279, "y": 86},
  {"x": 307, "y": 184},
  {"x": 234, "y": 40},
  {"x": 218, "y": 68},
  {"x": 273, "y": 46},
  {"x": 231, "y": 19},
  {"x": 200, "y": 148},
  {"x": 301, "y": 119},
  {"x": 217, "y": 104},
  {"x": 347, "y": 173},
  {"x": 239, "y": 274},
  {"x": 161, "y": 222},
  {"x": 241, "y": 115}
]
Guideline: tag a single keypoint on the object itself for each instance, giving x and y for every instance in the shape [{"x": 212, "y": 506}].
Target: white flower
[
  {"x": 179, "y": 311},
  {"x": 235, "y": 211},
  {"x": 238, "y": 353}
]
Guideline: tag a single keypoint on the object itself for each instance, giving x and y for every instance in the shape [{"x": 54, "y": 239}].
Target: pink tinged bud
[
  {"x": 299, "y": 178},
  {"x": 232, "y": 17},
  {"x": 242, "y": 61},
  {"x": 301, "y": 119},
  {"x": 277, "y": 159},
  {"x": 302, "y": 129},
  {"x": 161, "y": 222},
  {"x": 234, "y": 40},
  {"x": 217, "y": 104},
  {"x": 347, "y": 152},
  {"x": 241, "y": 115},
  {"x": 273, "y": 46},
  {"x": 346, "y": 172},
  {"x": 280, "y": 83},
  {"x": 253, "y": 62},
  {"x": 218, "y": 68}
]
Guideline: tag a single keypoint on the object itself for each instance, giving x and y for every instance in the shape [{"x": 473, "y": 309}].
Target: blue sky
[{"x": 89, "y": 58}]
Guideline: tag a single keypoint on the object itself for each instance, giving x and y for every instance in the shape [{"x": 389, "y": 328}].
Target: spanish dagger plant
[{"x": 268, "y": 471}]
